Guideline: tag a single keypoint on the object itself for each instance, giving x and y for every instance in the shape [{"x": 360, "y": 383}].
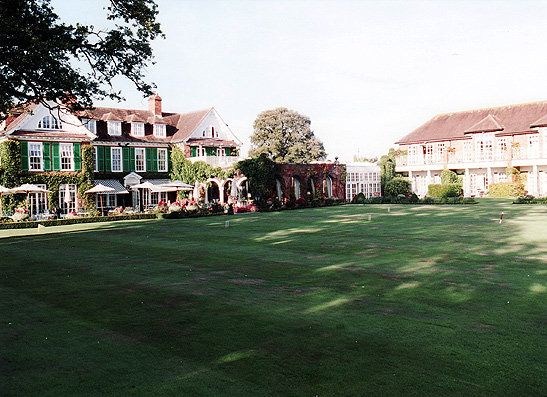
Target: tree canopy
[
  {"x": 44, "y": 59},
  {"x": 285, "y": 136}
]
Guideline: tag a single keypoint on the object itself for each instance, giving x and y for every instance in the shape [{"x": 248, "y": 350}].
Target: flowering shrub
[
  {"x": 239, "y": 210},
  {"x": 175, "y": 207},
  {"x": 118, "y": 211},
  {"x": 162, "y": 207},
  {"x": 301, "y": 202},
  {"x": 21, "y": 210},
  {"x": 252, "y": 208}
]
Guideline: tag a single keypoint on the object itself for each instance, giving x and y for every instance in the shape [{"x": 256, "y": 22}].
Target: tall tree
[
  {"x": 43, "y": 59},
  {"x": 285, "y": 136}
]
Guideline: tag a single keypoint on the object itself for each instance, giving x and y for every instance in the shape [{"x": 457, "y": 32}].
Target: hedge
[
  {"x": 506, "y": 189},
  {"x": 445, "y": 190},
  {"x": 72, "y": 221}
]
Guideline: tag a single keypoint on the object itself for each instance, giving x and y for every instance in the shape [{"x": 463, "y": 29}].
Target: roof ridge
[{"x": 493, "y": 108}]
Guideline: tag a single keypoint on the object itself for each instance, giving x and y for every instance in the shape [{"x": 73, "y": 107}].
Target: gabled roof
[
  {"x": 487, "y": 124},
  {"x": 503, "y": 120}
]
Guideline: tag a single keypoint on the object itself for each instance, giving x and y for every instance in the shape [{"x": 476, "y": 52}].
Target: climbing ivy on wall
[{"x": 11, "y": 175}]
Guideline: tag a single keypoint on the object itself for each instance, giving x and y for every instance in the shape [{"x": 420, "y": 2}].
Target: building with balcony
[{"x": 480, "y": 145}]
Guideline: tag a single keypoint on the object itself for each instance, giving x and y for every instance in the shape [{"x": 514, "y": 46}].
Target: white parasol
[
  {"x": 100, "y": 188},
  {"x": 153, "y": 188},
  {"x": 195, "y": 193},
  {"x": 234, "y": 191},
  {"x": 28, "y": 188}
]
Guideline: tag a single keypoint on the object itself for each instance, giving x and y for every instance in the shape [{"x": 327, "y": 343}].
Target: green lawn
[{"x": 418, "y": 300}]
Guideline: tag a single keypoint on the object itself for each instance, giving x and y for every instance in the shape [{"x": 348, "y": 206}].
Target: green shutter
[
  {"x": 214, "y": 151},
  {"x": 24, "y": 155},
  {"x": 208, "y": 151},
  {"x": 148, "y": 156},
  {"x": 77, "y": 157},
  {"x": 169, "y": 160},
  {"x": 46, "y": 153},
  {"x": 126, "y": 159},
  {"x": 107, "y": 159},
  {"x": 56, "y": 159},
  {"x": 155, "y": 159},
  {"x": 132, "y": 159},
  {"x": 100, "y": 158},
  {"x": 228, "y": 151},
  {"x": 193, "y": 151}
]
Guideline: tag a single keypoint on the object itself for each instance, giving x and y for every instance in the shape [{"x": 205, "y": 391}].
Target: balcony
[
  {"x": 469, "y": 157},
  {"x": 217, "y": 161}
]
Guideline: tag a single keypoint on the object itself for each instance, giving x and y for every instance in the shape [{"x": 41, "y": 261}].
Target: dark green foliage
[
  {"x": 398, "y": 186},
  {"x": 285, "y": 137},
  {"x": 529, "y": 199},
  {"x": 387, "y": 165},
  {"x": 359, "y": 199},
  {"x": 43, "y": 59},
  {"x": 444, "y": 190},
  {"x": 188, "y": 172},
  {"x": 260, "y": 173}
]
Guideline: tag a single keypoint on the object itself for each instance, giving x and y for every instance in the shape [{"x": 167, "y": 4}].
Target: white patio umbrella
[
  {"x": 179, "y": 185},
  {"x": 233, "y": 191},
  {"x": 195, "y": 193},
  {"x": 28, "y": 188},
  {"x": 100, "y": 188},
  {"x": 153, "y": 188}
]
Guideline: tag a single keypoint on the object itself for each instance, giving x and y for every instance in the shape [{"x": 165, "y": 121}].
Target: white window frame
[
  {"x": 90, "y": 124},
  {"x": 66, "y": 156},
  {"x": 439, "y": 153},
  {"x": 49, "y": 122},
  {"x": 95, "y": 160},
  {"x": 533, "y": 146},
  {"x": 114, "y": 128},
  {"x": 140, "y": 159},
  {"x": 116, "y": 159},
  {"x": 160, "y": 130},
  {"x": 38, "y": 201},
  {"x": 162, "y": 160},
  {"x": 468, "y": 151},
  {"x": 501, "y": 148},
  {"x": 428, "y": 153},
  {"x": 137, "y": 129},
  {"x": 36, "y": 152}
]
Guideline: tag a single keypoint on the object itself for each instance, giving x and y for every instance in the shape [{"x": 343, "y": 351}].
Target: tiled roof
[
  {"x": 114, "y": 184},
  {"x": 504, "y": 120}
]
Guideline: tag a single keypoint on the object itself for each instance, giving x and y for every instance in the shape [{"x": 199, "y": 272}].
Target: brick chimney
[{"x": 154, "y": 105}]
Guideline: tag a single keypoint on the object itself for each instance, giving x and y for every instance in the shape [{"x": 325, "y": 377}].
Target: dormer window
[
  {"x": 137, "y": 129},
  {"x": 91, "y": 125},
  {"x": 160, "y": 130},
  {"x": 49, "y": 123},
  {"x": 114, "y": 128}
]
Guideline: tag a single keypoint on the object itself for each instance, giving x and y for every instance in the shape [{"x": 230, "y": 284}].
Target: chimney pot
[{"x": 154, "y": 105}]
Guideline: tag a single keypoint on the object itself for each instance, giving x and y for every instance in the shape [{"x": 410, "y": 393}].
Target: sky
[{"x": 365, "y": 72}]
